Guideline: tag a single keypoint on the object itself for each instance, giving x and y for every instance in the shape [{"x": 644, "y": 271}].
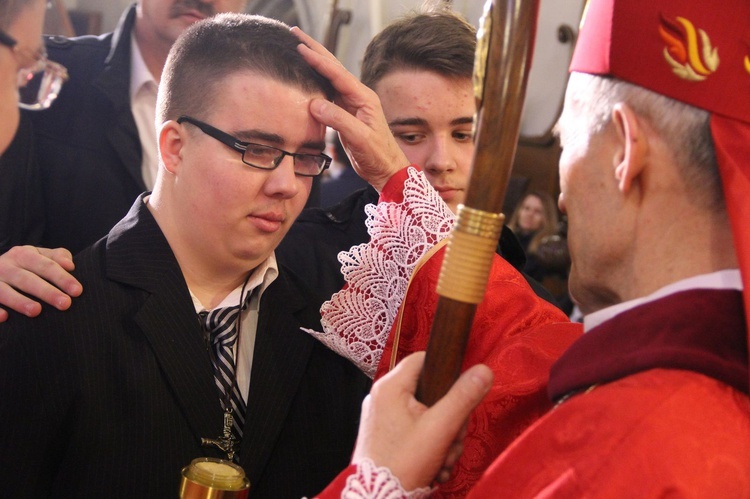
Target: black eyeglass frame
[{"x": 242, "y": 146}]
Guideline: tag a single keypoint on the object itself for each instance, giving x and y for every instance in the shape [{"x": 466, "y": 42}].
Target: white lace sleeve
[
  {"x": 357, "y": 320},
  {"x": 372, "y": 482}
]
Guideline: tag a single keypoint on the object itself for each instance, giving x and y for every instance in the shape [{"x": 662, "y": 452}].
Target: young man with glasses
[
  {"x": 120, "y": 392},
  {"x": 80, "y": 165}
]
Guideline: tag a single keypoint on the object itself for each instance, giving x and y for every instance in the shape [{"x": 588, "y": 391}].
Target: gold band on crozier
[{"x": 468, "y": 258}]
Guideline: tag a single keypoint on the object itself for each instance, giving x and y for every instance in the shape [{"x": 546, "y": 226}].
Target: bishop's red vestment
[{"x": 390, "y": 302}]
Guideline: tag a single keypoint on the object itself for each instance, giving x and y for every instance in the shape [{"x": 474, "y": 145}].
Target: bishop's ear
[{"x": 629, "y": 159}]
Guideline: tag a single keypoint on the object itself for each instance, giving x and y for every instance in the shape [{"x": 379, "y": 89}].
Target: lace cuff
[
  {"x": 373, "y": 482},
  {"x": 357, "y": 320}
]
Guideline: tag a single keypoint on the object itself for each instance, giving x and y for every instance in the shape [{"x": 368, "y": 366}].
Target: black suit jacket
[
  {"x": 111, "y": 398},
  {"x": 336, "y": 190},
  {"x": 86, "y": 147}
]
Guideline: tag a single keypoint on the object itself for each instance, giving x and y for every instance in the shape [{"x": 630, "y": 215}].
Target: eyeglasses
[
  {"x": 263, "y": 156},
  {"x": 39, "y": 81}
]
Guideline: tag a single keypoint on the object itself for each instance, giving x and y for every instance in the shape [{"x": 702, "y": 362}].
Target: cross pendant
[{"x": 226, "y": 443}]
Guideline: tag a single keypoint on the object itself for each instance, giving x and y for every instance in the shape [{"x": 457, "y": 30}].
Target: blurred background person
[
  {"x": 537, "y": 225},
  {"x": 24, "y": 65},
  {"x": 29, "y": 80},
  {"x": 341, "y": 180},
  {"x": 534, "y": 218}
]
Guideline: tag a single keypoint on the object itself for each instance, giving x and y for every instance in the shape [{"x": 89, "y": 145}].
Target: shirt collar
[
  {"x": 139, "y": 72},
  {"x": 260, "y": 278},
  {"x": 723, "y": 279}
]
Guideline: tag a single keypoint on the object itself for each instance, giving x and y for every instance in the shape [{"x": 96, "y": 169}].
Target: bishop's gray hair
[{"x": 684, "y": 129}]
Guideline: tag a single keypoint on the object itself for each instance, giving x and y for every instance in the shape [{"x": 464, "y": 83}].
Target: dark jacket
[
  {"x": 111, "y": 398},
  {"x": 21, "y": 216},
  {"x": 86, "y": 147}
]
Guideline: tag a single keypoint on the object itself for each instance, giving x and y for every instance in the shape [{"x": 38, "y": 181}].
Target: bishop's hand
[{"x": 356, "y": 114}]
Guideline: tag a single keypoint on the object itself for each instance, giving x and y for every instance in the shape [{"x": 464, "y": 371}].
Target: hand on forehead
[{"x": 356, "y": 114}]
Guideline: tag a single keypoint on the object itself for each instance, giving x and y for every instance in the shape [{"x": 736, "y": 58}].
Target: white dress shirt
[
  {"x": 143, "y": 89},
  {"x": 259, "y": 280}
]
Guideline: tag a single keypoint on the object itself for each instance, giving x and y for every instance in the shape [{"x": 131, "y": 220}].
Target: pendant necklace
[{"x": 227, "y": 442}]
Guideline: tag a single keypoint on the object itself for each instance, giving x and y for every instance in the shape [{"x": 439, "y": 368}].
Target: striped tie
[{"x": 221, "y": 323}]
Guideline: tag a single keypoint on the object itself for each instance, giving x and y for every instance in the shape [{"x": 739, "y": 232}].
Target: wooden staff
[{"x": 505, "y": 45}]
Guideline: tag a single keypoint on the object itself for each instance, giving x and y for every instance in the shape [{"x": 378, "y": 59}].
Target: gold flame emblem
[{"x": 688, "y": 50}]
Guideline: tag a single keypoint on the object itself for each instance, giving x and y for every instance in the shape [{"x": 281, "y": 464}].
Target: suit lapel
[
  {"x": 114, "y": 83},
  {"x": 281, "y": 355},
  {"x": 139, "y": 255},
  {"x": 176, "y": 339}
]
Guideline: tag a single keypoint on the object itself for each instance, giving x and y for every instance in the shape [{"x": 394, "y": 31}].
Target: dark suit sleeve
[
  {"x": 30, "y": 418},
  {"x": 21, "y": 205}
]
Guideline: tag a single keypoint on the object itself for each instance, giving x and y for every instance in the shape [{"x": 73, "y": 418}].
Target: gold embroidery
[{"x": 688, "y": 50}]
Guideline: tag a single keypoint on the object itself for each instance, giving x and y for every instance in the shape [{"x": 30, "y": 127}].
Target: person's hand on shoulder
[
  {"x": 356, "y": 114},
  {"x": 40, "y": 273}
]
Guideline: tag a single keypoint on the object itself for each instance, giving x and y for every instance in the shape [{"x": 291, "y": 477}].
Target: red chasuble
[
  {"x": 668, "y": 414},
  {"x": 389, "y": 304},
  {"x": 516, "y": 333}
]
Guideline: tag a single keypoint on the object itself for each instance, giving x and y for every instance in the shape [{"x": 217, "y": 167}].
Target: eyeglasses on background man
[{"x": 39, "y": 80}]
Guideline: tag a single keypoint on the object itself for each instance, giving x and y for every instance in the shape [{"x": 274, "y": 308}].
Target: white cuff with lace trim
[
  {"x": 373, "y": 482},
  {"x": 357, "y": 320}
]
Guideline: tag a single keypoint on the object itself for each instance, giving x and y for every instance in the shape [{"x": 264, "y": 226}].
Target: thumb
[{"x": 464, "y": 395}]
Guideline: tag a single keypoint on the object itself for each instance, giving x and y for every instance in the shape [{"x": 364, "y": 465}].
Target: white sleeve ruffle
[
  {"x": 373, "y": 482},
  {"x": 357, "y": 320}
]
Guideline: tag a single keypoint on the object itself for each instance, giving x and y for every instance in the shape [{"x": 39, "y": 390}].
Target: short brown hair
[
  {"x": 222, "y": 45},
  {"x": 440, "y": 41}
]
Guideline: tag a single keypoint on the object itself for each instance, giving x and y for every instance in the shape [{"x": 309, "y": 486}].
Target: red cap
[{"x": 693, "y": 51}]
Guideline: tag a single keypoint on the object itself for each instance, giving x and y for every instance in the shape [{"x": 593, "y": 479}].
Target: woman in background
[{"x": 534, "y": 219}]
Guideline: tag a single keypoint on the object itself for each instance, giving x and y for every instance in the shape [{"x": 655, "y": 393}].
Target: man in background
[
  {"x": 22, "y": 61},
  {"x": 421, "y": 67}
]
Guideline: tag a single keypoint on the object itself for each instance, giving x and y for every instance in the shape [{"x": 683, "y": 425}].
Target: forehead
[
  {"x": 249, "y": 100},
  {"x": 533, "y": 201},
  {"x": 412, "y": 90}
]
